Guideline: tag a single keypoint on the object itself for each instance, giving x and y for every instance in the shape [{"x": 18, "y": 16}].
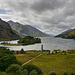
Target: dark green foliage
[
  {"x": 29, "y": 40},
  {"x": 17, "y": 52},
  {"x": 52, "y": 73},
  {"x": 4, "y": 51},
  {"x": 37, "y": 40},
  {"x": 33, "y": 72},
  {"x": 7, "y": 58},
  {"x": 72, "y": 73},
  {"x": 65, "y": 73},
  {"x": 25, "y": 72},
  {"x": 22, "y": 51},
  {"x": 14, "y": 68},
  {"x": 32, "y": 67},
  {"x": 19, "y": 72},
  {"x": 6, "y": 61}
]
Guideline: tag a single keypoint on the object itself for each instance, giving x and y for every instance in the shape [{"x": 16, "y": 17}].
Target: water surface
[{"x": 49, "y": 43}]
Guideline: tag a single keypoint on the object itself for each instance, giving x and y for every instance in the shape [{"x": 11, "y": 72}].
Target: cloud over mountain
[{"x": 50, "y": 16}]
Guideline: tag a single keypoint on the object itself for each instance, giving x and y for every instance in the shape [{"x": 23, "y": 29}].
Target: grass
[
  {"x": 58, "y": 63},
  {"x": 12, "y": 44},
  {"x": 25, "y": 57},
  {"x": 53, "y": 62}
]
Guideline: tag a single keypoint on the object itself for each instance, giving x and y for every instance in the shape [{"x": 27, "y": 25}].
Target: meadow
[{"x": 57, "y": 62}]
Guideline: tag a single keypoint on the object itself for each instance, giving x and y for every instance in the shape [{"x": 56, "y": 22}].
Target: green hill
[
  {"x": 68, "y": 34},
  {"x": 26, "y": 30},
  {"x": 6, "y": 32}
]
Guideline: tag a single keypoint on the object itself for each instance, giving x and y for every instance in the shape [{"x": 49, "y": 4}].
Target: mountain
[
  {"x": 6, "y": 32},
  {"x": 69, "y": 34},
  {"x": 26, "y": 30}
]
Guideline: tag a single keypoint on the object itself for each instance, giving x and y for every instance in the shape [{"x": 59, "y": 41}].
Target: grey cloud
[
  {"x": 51, "y": 16},
  {"x": 44, "y": 5},
  {"x": 17, "y": 5}
]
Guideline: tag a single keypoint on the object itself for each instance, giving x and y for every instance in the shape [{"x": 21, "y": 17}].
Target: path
[{"x": 31, "y": 59}]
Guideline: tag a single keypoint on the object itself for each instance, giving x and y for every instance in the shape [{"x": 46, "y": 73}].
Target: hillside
[
  {"x": 26, "y": 30},
  {"x": 6, "y": 32},
  {"x": 70, "y": 34}
]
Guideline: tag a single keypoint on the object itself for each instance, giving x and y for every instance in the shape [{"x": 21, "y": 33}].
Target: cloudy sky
[{"x": 50, "y": 16}]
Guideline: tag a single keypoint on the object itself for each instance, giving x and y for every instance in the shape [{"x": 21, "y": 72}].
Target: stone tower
[{"x": 41, "y": 48}]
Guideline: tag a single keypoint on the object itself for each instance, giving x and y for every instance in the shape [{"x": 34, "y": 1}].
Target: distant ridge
[
  {"x": 6, "y": 32},
  {"x": 69, "y": 34},
  {"x": 26, "y": 30}
]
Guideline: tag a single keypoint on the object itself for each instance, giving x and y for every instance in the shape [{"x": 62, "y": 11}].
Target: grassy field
[
  {"x": 12, "y": 44},
  {"x": 53, "y": 62},
  {"x": 25, "y": 57}
]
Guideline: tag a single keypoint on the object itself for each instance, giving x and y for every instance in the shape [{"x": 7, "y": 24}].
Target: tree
[
  {"x": 33, "y": 67},
  {"x": 28, "y": 40},
  {"x": 33, "y": 72},
  {"x": 72, "y": 73},
  {"x": 6, "y": 61},
  {"x": 17, "y": 52},
  {"x": 52, "y": 73},
  {"x": 25, "y": 72},
  {"x": 65, "y": 73},
  {"x": 4, "y": 51},
  {"x": 22, "y": 51},
  {"x": 14, "y": 68}
]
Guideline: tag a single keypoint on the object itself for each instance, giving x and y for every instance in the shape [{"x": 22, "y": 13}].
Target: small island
[{"x": 28, "y": 40}]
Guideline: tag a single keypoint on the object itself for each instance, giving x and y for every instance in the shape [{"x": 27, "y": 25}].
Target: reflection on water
[{"x": 49, "y": 43}]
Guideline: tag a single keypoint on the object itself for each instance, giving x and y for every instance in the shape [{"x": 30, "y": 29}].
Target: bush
[
  {"x": 19, "y": 72},
  {"x": 52, "y": 73},
  {"x": 14, "y": 68},
  {"x": 17, "y": 52},
  {"x": 25, "y": 72},
  {"x": 33, "y": 67},
  {"x": 33, "y": 72},
  {"x": 72, "y": 73},
  {"x": 65, "y": 73},
  {"x": 22, "y": 51},
  {"x": 6, "y": 61},
  {"x": 4, "y": 52}
]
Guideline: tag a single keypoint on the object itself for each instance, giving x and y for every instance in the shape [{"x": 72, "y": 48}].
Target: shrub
[
  {"x": 6, "y": 61},
  {"x": 4, "y": 51},
  {"x": 72, "y": 73},
  {"x": 22, "y": 51},
  {"x": 25, "y": 72},
  {"x": 65, "y": 73},
  {"x": 33, "y": 72},
  {"x": 52, "y": 73},
  {"x": 17, "y": 52},
  {"x": 14, "y": 68},
  {"x": 19, "y": 72},
  {"x": 33, "y": 67}
]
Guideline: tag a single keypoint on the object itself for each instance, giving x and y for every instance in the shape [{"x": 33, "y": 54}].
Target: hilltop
[
  {"x": 69, "y": 34},
  {"x": 6, "y": 32}
]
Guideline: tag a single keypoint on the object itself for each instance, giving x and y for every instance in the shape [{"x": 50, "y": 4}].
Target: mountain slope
[
  {"x": 26, "y": 30},
  {"x": 70, "y": 34},
  {"x": 6, "y": 32}
]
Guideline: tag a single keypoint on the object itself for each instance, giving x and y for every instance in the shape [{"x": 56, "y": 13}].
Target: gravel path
[{"x": 31, "y": 59}]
